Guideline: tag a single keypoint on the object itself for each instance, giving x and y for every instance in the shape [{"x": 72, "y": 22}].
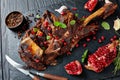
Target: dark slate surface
[
  {"x": 10, "y": 41},
  {"x": 0, "y": 48}
]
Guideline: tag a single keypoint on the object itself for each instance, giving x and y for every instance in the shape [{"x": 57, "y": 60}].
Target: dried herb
[
  {"x": 105, "y": 25},
  {"x": 84, "y": 56}
]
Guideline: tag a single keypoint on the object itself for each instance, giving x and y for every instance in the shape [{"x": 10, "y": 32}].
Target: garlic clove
[
  {"x": 60, "y": 10},
  {"x": 108, "y": 1},
  {"x": 117, "y": 24}
]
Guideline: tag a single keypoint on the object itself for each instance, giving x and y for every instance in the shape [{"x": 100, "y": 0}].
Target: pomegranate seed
[
  {"x": 111, "y": 39},
  {"x": 45, "y": 42},
  {"x": 32, "y": 32},
  {"x": 88, "y": 39},
  {"x": 45, "y": 23},
  {"x": 94, "y": 38},
  {"x": 68, "y": 53},
  {"x": 84, "y": 45},
  {"x": 94, "y": 32},
  {"x": 65, "y": 43},
  {"x": 99, "y": 41},
  {"x": 74, "y": 8},
  {"x": 80, "y": 28},
  {"x": 36, "y": 60},
  {"x": 114, "y": 37},
  {"x": 63, "y": 40},
  {"x": 76, "y": 45},
  {"x": 50, "y": 34},
  {"x": 73, "y": 40},
  {"x": 56, "y": 37},
  {"x": 62, "y": 13},
  {"x": 49, "y": 28},
  {"x": 84, "y": 16},
  {"x": 102, "y": 38}
]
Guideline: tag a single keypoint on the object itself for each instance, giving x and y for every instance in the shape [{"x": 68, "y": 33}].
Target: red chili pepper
[{"x": 90, "y": 5}]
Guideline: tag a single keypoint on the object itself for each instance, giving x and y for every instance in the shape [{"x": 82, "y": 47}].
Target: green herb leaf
[
  {"x": 72, "y": 22},
  {"x": 37, "y": 16},
  {"x": 62, "y": 25},
  {"x": 35, "y": 29},
  {"x": 105, "y": 25},
  {"x": 82, "y": 19},
  {"x": 48, "y": 37},
  {"x": 56, "y": 23},
  {"x": 84, "y": 56},
  {"x": 76, "y": 14},
  {"x": 117, "y": 33},
  {"x": 117, "y": 61}
]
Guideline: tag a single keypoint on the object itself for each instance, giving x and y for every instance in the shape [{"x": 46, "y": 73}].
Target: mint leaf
[
  {"x": 84, "y": 56},
  {"x": 35, "y": 29},
  {"x": 37, "y": 16},
  {"x": 72, "y": 22},
  {"x": 105, "y": 25},
  {"x": 62, "y": 25},
  {"x": 82, "y": 19},
  {"x": 76, "y": 14},
  {"x": 56, "y": 23},
  {"x": 48, "y": 37}
]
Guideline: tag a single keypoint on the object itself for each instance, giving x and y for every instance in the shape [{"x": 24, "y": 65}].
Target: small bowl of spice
[{"x": 14, "y": 20}]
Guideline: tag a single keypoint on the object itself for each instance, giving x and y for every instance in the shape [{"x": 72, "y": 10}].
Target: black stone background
[{"x": 10, "y": 41}]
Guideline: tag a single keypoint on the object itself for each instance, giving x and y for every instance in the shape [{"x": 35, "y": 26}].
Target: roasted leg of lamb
[{"x": 51, "y": 37}]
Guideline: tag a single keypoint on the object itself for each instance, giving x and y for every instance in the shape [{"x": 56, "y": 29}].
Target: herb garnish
[
  {"x": 117, "y": 61},
  {"x": 60, "y": 24},
  {"x": 72, "y": 22},
  {"x": 48, "y": 37},
  {"x": 56, "y": 23},
  {"x": 35, "y": 29},
  {"x": 84, "y": 56},
  {"x": 76, "y": 14},
  {"x": 105, "y": 25},
  {"x": 37, "y": 16},
  {"x": 82, "y": 19}
]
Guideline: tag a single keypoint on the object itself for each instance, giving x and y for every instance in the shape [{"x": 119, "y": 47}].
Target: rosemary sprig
[
  {"x": 117, "y": 61},
  {"x": 84, "y": 56}
]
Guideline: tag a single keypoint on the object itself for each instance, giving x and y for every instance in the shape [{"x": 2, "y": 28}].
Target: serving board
[{"x": 11, "y": 43}]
